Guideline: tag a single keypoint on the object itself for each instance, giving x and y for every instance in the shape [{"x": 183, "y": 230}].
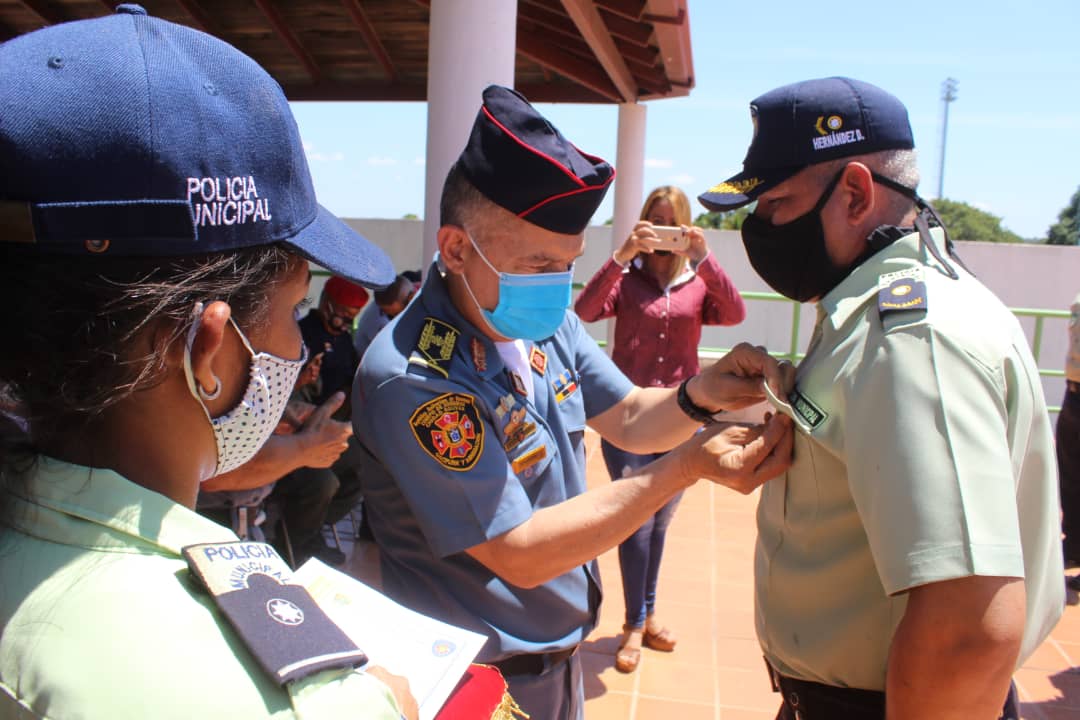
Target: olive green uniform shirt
[
  {"x": 99, "y": 617},
  {"x": 1072, "y": 357},
  {"x": 925, "y": 454}
]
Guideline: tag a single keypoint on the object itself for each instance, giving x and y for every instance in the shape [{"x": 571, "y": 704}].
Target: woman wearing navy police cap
[{"x": 152, "y": 255}]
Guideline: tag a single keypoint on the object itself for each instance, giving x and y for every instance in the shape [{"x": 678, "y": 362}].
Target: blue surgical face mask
[{"x": 530, "y": 307}]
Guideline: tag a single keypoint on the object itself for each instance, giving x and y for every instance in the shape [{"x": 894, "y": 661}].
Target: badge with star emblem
[{"x": 449, "y": 429}]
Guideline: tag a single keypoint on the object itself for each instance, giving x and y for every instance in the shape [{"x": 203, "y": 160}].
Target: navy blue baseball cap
[
  {"x": 520, "y": 162},
  {"x": 811, "y": 122},
  {"x": 131, "y": 136}
]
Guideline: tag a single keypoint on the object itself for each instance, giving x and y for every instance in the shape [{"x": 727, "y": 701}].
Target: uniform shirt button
[
  {"x": 661, "y": 336},
  {"x": 663, "y": 314},
  {"x": 660, "y": 359}
]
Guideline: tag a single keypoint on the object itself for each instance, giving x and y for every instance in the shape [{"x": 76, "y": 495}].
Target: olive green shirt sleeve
[{"x": 928, "y": 461}]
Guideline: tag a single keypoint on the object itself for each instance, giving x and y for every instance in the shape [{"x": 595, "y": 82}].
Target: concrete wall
[{"x": 1023, "y": 276}]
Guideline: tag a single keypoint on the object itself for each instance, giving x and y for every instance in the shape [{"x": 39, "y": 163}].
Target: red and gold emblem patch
[
  {"x": 449, "y": 429},
  {"x": 538, "y": 360}
]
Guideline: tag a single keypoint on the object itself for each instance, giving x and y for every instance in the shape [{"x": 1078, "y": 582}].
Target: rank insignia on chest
[
  {"x": 449, "y": 429},
  {"x": 518, "y": 383},
  {"x": 565, "y": 385},
  {"x": 278, "y": 620},
  {"x": 538, "y": 360},
  {"x": 479, "y": 355},
  {"x": 517, "y": 428},
  {"x": 901, "y": 291},
  {"x": 526, "y": 462},
  {"x": 436, "y": 346}
]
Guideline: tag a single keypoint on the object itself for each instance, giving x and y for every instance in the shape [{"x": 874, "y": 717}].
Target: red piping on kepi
[
  {"x": 533, "y": 150},
  {"x": 587, "y": 188}
]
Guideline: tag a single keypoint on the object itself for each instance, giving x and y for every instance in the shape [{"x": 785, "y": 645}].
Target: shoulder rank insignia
[
  {"x": 436, "y": 346},
  {"x": 278, "y": 620},
  {"x": 902, "y": 290},
  {"x": 449, "y": 429},
  {"x": 479, "y": 355},
  {"x": 565, "y": 385},
  {"x": 538, "y": 360}
]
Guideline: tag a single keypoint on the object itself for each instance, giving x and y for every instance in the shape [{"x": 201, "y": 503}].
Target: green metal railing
[{"x": 792, "y": 353}]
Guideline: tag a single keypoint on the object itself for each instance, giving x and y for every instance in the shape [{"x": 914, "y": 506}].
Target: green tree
[
  {"x": 967, "y": 222},
  {"x": 410, "y": 216},
  {"x": 730, "y": 220},
  {"x": 1066, "y": 231}
]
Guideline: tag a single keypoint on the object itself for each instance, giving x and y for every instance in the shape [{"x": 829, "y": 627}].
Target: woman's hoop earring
[{"x": 210, "y": 395}]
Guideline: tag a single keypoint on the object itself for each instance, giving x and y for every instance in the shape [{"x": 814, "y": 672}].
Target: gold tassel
[{"x": 508, "y": 709}]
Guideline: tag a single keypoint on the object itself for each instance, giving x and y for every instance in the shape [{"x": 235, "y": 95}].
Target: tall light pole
[{"x": 948, "y": 94}]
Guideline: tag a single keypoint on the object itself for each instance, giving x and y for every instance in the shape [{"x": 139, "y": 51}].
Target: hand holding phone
[{"x": 671, "y": 238}]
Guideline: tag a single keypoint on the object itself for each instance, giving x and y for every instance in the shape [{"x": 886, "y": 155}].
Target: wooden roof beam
[
  {"x": 643, "y": 56},
  {"x": 542, "y": 48},
  {"x": 378, "y": 51},
  {"x": 201, "y": 19},
  {"x": 629, "y": 9},
  {"x": 546, "y": 18},
  {"x": 592, "y": 28},
  {"x": 45, "y": 11},
  {"x": 673, "y": 41},
  {"x": 628, "y": 30},
  {"x": 289, "y": 38},
  {"x": 360, "y": 91}
]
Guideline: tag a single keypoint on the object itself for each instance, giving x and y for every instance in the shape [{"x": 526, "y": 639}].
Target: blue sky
[{"x": 1013, "y": 145}]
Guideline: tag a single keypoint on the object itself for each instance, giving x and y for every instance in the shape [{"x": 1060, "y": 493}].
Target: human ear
[
  {"x": 453, "y": 246},
  {"x": 857, "y": 188},
  {"x": 205, "y": 346}
]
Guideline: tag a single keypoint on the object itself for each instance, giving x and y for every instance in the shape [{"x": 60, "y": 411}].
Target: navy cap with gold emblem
[
  {"x": 811, "y": 122},
  {"x": 520, "y": 162}
]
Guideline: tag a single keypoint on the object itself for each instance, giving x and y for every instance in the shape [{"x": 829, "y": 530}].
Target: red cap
[{"x": 345, "y": 293}]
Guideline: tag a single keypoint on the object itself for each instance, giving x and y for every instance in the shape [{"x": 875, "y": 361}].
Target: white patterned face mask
[{"x": 244, "y": 429}]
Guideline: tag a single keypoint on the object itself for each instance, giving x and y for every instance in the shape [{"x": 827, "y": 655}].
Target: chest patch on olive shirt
[{"x": 805, "y": 409}]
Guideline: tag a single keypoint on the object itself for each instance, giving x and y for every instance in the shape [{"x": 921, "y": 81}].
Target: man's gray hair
[{"x": 900, "y": 166}]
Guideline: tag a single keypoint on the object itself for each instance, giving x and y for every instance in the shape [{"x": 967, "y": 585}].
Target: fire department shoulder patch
[{"x": 449, "y": 429}]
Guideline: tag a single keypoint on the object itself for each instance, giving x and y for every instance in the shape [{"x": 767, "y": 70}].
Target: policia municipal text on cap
[
  {"x": 156, "y": 218},
  {"x": 476, "y": 398},
  {"x": 910, "y": 558}
]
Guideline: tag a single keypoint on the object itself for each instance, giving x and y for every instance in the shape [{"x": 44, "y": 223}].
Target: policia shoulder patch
[
  {"x": 279, "y": 622},
  {"x": 449, "y": 429}
]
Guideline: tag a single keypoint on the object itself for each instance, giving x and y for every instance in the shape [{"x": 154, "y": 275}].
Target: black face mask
[{"x": 792, "y": 257}]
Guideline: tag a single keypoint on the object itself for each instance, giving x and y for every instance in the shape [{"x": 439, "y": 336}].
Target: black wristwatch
[{"x": 692, "y": 409}]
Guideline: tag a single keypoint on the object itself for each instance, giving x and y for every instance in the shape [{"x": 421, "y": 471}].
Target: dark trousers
[
  {"x": 310, "y": 497},
  {"x": 639, "y": 554},
  {"x": 803, "y": 700},
  {"x": 1068, "y": 457}
]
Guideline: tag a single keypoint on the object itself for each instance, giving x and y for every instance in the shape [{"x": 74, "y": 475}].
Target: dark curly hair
[{"x": 71, "y": 322}]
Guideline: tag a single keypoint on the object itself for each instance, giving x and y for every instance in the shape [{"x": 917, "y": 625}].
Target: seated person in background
[
  {"x": 388, "y": 303},
  {"x": 327, "y": 329}
]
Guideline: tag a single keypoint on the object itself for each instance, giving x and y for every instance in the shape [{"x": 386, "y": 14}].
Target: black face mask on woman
[{"x": 792, "y": 257}]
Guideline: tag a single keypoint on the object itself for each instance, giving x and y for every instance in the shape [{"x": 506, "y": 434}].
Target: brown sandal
[
  {"x": 627, "y": 658},
  {"x": 664, "y": 640}
]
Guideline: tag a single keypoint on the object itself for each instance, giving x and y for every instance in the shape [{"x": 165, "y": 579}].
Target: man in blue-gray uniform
[
  {"x": 910, "y": 559},
  {"x": 475, "y": 399}
]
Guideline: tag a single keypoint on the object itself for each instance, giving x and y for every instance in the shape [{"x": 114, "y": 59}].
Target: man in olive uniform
[
  {"x": 476, "y": 398},
  {"x": 910, "y": 559}
]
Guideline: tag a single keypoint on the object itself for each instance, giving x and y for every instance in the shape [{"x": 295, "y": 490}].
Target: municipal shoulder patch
[
  {"x": 449, "y": 429},
  {"x": 903, "y": 290}
]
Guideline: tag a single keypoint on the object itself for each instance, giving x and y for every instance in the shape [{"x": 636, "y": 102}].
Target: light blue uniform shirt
[{"x": 469, "y": 459}]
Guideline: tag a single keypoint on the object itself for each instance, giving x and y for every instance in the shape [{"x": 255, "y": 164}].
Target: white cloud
[
  {"x": 381, "y": 161},
  {"x": 315, "y": 156},
  {"x": 418, "y": 160},
  {"x": 681, "y": 179},
  {"x": 658, "y": 163}
]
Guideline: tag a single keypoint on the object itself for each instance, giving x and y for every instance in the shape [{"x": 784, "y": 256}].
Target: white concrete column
[
  {"x": 471, "y": 45},
  {"x": 629, "y": 180}
]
